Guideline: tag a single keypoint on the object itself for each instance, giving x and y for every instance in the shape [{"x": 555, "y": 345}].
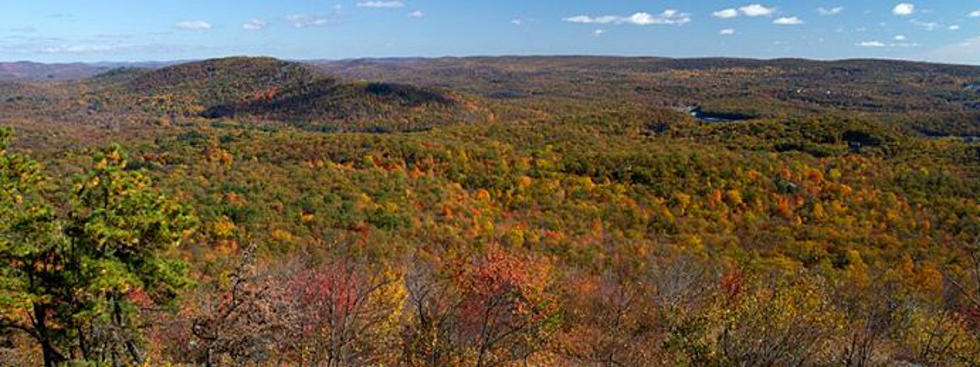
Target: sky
[{"x": 165, "y": 30}]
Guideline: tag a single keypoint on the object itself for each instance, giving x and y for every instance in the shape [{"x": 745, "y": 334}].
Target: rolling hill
[{"x": 268, "y": 89}]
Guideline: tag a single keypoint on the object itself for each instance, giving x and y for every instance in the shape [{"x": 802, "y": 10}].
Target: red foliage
[
  {"x": 731, "y": 284},
  {"x": 971, "y": 316},
  {"x": 325, "y": 291},
  {"x": 139, "y": 298},
  {"x": 504, "y": 286}
]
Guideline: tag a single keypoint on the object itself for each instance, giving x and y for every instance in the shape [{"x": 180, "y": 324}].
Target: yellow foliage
[
  {"x": 818, "y": 212},
  {"x": 733, "y": 197},
  {"x": 835, "y": 174},
  {"x": 306, "y": 217},
  {"x": 283, "y": 235},
  {"x": 515, "y": 237},
  {"x": 857, "y": 270},
  {"x": 223, "y": 227},
  {"x": 683, "y": 200}
]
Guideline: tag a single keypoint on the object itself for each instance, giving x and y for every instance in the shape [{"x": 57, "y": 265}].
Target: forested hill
[{"x": 270, "y": 89}]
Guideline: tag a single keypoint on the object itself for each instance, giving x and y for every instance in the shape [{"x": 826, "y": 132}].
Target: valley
[{"x": 504, "y": 211}]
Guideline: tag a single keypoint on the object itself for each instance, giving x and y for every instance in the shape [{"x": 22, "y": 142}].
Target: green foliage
[{"x": 77, "y": 274}]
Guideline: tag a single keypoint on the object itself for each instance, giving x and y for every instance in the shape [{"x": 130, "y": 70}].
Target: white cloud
[
  {"x": 517, "y": 21},
  {"x": 303, "y": 20},
  {"x": 954, "y": 27},
  {"x": 381, "y": 4},
  {"x": 757, "y": 10},
  {"x": 900, "y": 38},
  {"x": 830, "y": 11},
  {"x": 416, "y": 14},
  {"x": 975, "y": 14},
  {"x": 668, "y": 17},
  {"x": 879, "y": 44},
  {"x": 725, "y": 13},
  {"x": 194, "y": 25},
  {"x": 255, "y": 25},
  {"x": 788, "y": 21},
  {"x": 598, "y": 32},
  {"x": 872, "y": 44},
  {"x": 904, "y": 9},
  {"x": 727, "y": 32}
]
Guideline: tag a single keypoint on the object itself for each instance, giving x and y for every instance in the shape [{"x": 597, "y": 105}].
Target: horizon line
[{"x": 475, "y": 56}]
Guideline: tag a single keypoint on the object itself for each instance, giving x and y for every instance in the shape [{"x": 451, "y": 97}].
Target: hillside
[{"x": 274, "y": 90}]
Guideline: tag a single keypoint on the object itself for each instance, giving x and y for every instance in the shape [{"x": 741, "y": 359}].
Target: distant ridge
[
  {"x": 28, "y": 70},
  {"x": 25, "y": 70}
]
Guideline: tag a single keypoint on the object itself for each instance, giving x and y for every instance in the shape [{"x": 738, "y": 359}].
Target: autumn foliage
[{"x": 546, "y": 212}]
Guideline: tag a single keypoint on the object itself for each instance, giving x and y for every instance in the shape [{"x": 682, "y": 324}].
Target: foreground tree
[
  {"x": 498, "y": 309},
  {"x": 75, "y": 274},
  {"x": 336, "y": 313}
]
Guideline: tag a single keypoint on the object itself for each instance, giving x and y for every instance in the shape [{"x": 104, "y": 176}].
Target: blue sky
[{"x": 143, "y": 30}]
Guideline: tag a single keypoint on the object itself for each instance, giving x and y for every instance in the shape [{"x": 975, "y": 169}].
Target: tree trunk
[{"x": 51, "y": 355}]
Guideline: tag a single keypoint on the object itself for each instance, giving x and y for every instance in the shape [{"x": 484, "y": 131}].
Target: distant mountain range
[
  {"x": 27, "y": 70},
  {"x": 35, "y": 71}
]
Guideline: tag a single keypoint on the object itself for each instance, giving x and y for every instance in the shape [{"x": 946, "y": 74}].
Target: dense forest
[{"x": 566, "y": 211}]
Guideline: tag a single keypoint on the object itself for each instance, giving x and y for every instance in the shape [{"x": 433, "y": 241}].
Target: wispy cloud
[
  {"x": 929, "y": 26},
  {"x": 727, "y": 32},
  {"x": 24, "y": 29},
  {"x": 255, "y": 25},
  {"x": 879, "y": 44},
  {"x": 830, "y": 11},
  {"x": 668, "y": 17},
  {"x": 904, "y": 9},
  {"x": 788, "y": 21},
  {"x": 598, "y": 32},
  {"x": 196, "y": 25},
  {"x": 965, "y": 51},
  {"x": 975, "y": 14},
  {"x": 304, "y": 20},
  {"x": 871, "y": 44},
  {"x": 100, "y": 50},
  {"x": 84, "y": 49},
  {"x": 416, "y": 14},
  {"x": 381, "y": 4}
]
